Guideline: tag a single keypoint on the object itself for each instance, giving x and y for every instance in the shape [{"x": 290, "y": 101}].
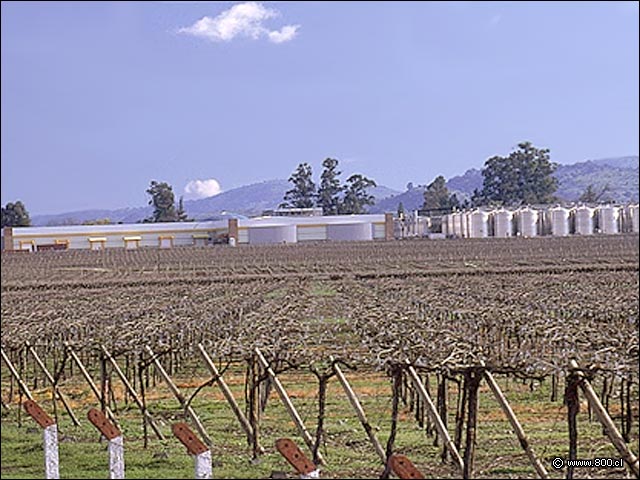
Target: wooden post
[
  {"x": 56, "y": 389},
  {"x": 50, "y": 435},
  {"x": 473, "y": 378},
  {"x": 176, "y": 393},
  {"x": 403, "y": 467},
  {"x": 298, "y": 460},
  {"x": 116, "y": 447},
  {"x": 605, "y": 419},
  {"x": 304, "y": 433},
  {"x": 16, "y": 375},
  {"x": 355, "y": 403},
  {"x": 91, "y": 383},
  {"x": 195, "y": 447},
  {"x": 226, "y": 391},
  {"x": 148, "y": 417},
  {"x": 433, "y": 413},
  {"x": 515, "y": 424}
]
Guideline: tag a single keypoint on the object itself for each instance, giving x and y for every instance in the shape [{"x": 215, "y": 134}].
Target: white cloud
[
  {"x": 202, "y": 188},
  {"x": 241, "y": 20},
  {"x": 285, "y": 34}
]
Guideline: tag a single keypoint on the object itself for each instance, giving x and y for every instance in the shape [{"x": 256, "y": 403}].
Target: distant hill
[
  {"x": 620, "y": 174},
  {"x": 248, "y": 200}
]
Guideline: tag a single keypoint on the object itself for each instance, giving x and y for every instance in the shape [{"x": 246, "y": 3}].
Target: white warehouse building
[{"x": 260, "y": 230}]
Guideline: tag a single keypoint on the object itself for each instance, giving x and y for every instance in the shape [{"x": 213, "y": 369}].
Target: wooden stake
[
  {"x": 293, "y": 413},
  {"x": 355, "y": 403},
  {"x": 431, "y": 409},
  {"x": 515, "y": 424},
  {"x": 14, "y": 372},
  {"x": 176, "y": 393},
  {"x": 472, "y": 382},
  {"x": 90, "y": 381},
  {"x": 226, "y": 391},
  {"x": 56, "y": 389},
  {"x": 148, "y": 417},
  {"x": 605, "y": 419}
]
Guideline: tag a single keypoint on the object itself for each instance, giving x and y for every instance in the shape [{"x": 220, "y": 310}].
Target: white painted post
[
  {"x": 116, "y": 457},
  {"x": 50, "y": 435},
  {"x": 51, "y": 461},
  {"x": 116, "y": 447},
  {"x": 195, "y": 447},
  {"x": 203, "y": 465}
]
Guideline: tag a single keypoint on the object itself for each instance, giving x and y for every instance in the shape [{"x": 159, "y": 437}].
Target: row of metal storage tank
[{"x": 530, "y": 222}]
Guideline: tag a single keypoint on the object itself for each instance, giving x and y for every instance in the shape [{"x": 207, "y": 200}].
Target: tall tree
[
  {"x": 330, "y": 188},
  {"x": 181, "y": 213},
  {"x": 591, "y": 195},
  {"x": 356, "y": 196},
  {"x": 524, "y": 177},
  {"x": 303, "y": 193},
  {"x": 400, "y": 210},
  {"x": 163, "y": 202},
  {"x": 15, "y": 215},
  {"x": 438, "y": 197}
]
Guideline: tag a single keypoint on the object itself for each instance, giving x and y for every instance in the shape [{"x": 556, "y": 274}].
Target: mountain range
[{"x": 619, "y": 175}]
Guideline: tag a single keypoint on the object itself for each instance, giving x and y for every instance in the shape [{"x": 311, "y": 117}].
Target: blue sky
[{"x": 100, "y": 98}]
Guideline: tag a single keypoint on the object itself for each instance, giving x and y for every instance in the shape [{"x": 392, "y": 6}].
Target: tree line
[
  {"x": 525, "y": 176},
  {"x": 332, "y": 196}
]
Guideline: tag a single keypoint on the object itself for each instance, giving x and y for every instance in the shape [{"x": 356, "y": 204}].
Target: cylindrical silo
[
  {"x": 478, "y": 224},
  {"x": 447, "y": 225},
  {"x": 583, "y": 216},
  {"x": 503, "y": 223},
  {"x": 633, "y": 217},
  {"x": 272, "y": 234},
  {"x": 527, "y": 222},
  {"x": 346, "y": 232},
  {"x": 457, "y": 224},
  {"x": 608, "y": 219},
  {"x": 559, "y": 221}
]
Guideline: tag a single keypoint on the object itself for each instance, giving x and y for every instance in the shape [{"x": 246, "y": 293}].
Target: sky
[{"x": 100, "y": 98}]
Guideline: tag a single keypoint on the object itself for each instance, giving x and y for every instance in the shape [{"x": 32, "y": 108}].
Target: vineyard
[{"x": 434, "y": 341}]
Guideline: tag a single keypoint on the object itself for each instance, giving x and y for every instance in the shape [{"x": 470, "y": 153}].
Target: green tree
[
  {"x": 401, "y": 209},
  {"x": 356, "y": 196},
  {"x": 98, "y": 221},
  {"x": 163, "y": 201},
  {"x": 330, "y": 189},
  {"x": 15, "y": 215},
  {"x": 181, "y": 213},
  {"x": 524, "y": 177},
  {"x": 437, "y": 196},
  {"x": 591, "y": 195},
  {"x": 303, "y": 193}
]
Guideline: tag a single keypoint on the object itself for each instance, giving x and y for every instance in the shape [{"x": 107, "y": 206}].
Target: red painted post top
[
  {"x": 294, "y": 456},
  {"x": 194, "y": 445},
  {"x": 100, "y": 421},
  {"x": 39, "y": 415},
  {"x": 403, "y": 467}
]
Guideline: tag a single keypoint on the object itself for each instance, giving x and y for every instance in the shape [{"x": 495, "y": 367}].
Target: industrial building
[
  {"x": 558, "y": 221},
  {"x": 255, "y": 231}
]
